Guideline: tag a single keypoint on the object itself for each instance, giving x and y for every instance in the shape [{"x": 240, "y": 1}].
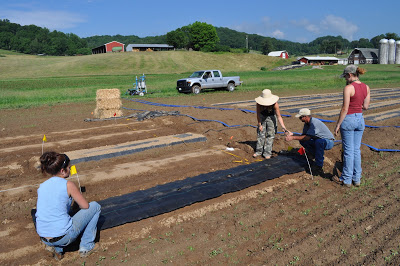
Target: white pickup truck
[{"x": 207, "y": 79}]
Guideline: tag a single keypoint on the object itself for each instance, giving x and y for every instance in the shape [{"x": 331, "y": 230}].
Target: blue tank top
[{"x": 53, "y": 205}]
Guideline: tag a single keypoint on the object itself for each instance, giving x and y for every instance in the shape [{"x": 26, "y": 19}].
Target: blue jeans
[
  {"x": 84, "y": 221},
  {"x": 317, "y": 147},
  {"x": 352, "y": 129}
]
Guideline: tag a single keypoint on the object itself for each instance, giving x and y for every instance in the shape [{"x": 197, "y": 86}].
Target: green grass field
[{"x": 27, "y": 80}]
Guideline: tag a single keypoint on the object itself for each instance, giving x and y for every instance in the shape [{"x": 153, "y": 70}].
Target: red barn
[
  {"x": 317, "y": 60},
  {"x": 113, "y": 46}
]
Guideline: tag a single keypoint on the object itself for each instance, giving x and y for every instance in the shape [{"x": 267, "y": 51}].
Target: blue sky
[{"x": 294, "y": 20}]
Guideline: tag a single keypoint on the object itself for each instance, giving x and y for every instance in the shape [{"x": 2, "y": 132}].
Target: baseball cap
[
  {"x": 304, "y": 112},
  {"x": 350, "y": 69}
]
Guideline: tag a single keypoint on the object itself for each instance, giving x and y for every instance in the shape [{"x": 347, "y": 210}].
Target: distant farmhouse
[
  {"x": 343, "y": 61},
  {"x": 319, "y": 60},
  {"x": 148, "y": 47},
  {"x": 364, "y": 56},
  {"x": 113, "y": 46},
  {"x": 282, "y": 54}
]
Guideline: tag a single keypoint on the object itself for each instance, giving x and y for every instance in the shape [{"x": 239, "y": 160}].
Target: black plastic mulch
[{"x": 165, "y": 198}]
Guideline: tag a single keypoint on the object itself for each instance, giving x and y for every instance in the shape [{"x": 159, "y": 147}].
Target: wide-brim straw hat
[{"x": 267, "y": 98}]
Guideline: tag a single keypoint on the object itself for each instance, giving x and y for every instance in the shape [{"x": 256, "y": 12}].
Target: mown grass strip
[{"x": 53, "y": 80}]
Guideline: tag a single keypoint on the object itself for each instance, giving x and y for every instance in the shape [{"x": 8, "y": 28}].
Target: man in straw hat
[
  {"x": 267, "y": 114},
  {"x": 316, "y": 138}
]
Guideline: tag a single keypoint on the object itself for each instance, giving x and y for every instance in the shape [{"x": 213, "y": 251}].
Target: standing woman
[
  {"x": 356, "y": 97},
  {"x": 267, "y": 113},
  {"x": 54, "y": 224}
]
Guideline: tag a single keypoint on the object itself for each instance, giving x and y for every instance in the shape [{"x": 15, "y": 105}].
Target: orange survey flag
[{"x": 301, "y": 151}]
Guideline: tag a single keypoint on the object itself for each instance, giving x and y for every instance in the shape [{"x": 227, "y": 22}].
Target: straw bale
[
  {"x": 108, "y": 103},
  {"x": 108, "y": 93},
  {"x": 106, "y": 113}
]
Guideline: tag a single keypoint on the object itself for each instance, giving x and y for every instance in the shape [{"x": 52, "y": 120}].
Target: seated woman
[{"x": 54, "y": 224}]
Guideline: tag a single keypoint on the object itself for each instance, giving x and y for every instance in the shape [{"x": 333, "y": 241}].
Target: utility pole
[{"x": 247, "y": 43}]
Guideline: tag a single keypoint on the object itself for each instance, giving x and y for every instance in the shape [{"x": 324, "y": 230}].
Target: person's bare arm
[
  {"x": 258, "y": 108},
  {"x": 280, "y": 120},
  {"x": 367, "y": 100},
  {"x": 74, "y": 192},
  {"x": 347, "y": 92},
  {"x": 299, "y": 138}
]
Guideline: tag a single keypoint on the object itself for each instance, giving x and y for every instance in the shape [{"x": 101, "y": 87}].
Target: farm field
[
  {"x": 293, "y": 219},
  {"x": 28, "y": 81}
]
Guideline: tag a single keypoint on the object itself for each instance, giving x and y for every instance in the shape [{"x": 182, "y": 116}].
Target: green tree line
[
  {"x": 205, "y": 37},
  {"x": 198, "y": 36},
  {"x": 32, "y": 39},
  {"x": 321, "y": 45}
]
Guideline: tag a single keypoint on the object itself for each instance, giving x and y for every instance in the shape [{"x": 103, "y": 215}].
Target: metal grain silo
[
  {"x": 391, "y": 53},
  {"x": 397, "y": 61},
  {"x": 383, "y": 51}
]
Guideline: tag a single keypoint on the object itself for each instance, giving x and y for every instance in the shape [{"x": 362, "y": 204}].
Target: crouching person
[
  {"x": 316, "y": 138},
  {"x": 56, "y": 228}
]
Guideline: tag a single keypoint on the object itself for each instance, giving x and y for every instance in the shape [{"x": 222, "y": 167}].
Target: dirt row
[{"x": 295, "y": 219}]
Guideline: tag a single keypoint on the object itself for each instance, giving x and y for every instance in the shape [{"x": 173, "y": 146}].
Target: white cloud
[
  {"x": 304, "y": 23},
  {"x": 278, "y": 34},
  {"x": 339, "y": 25},
  {"x": 301, "y": 39},
  {"x": 54, "y": 20},
  {"x": 264, "y": 28},
  {"x": 302, "y": 29},
  {"x": 245, "y": 27},
  {"x": 266, "y": 21},
  {"x": 313, "y": 28},
  {"x": 330, "y": 25}
]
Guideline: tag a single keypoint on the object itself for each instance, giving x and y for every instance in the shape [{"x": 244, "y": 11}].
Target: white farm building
[{"x": 282, "y": 54}]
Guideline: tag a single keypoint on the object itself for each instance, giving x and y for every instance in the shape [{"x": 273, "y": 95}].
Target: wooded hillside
[{"x": 32, "y": 39}]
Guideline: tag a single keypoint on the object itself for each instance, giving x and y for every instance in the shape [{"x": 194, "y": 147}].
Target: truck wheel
[
  {"x": 231, "y": 86},
  {"x": 196, "y": 89}
]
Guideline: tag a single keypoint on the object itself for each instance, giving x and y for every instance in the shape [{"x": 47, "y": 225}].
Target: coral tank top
[{"x": 357, "y": 100}]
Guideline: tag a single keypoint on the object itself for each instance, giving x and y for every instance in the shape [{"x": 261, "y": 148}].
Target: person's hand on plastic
[{"x": 289, "y": 137}]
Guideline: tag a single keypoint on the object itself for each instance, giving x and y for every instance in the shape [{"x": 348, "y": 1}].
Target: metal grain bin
[
  {"x": 397, "y": 61},
  {"x": 391, "y": 53},
  {"x": 383, "y": 51}
]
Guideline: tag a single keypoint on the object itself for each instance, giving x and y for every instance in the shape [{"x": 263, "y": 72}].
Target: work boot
[
  {"x": 340, "y": 182},
  {"x": 317, "y": 170},
  {"x": 53, "y": 253},
  {"x": 310, "y": 155},
  {"x": 86, "y": 253}
]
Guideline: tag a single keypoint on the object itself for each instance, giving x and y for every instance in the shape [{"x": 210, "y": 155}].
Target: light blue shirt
[
  {"x": 53, "y": 205},
  {"x": 316, "y": 129}
]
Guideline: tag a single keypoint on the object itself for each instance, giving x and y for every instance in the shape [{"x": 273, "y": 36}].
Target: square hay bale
[
  {"x": 108, "y": 103},
  {"x": 108, "y": 94}
]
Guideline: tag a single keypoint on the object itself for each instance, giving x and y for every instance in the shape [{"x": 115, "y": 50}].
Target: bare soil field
[{"x": 294, "y": 219}]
